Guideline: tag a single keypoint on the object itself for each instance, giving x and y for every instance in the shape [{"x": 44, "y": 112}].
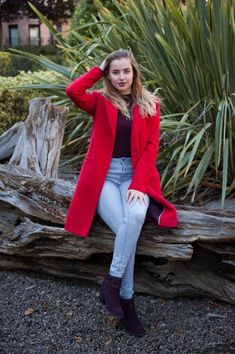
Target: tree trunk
[
  {"x": 35, "y": 144},
  {"x": 196, "y": 259}
]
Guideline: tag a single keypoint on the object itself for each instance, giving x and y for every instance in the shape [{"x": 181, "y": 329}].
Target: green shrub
[
  {"x": 48, "y": 49},
  {"x": 11, "y": 65},
  {"x": 5, "y": 64},
  {"x": 85, "y": 13},
  {"x": 14, "y": 103}
]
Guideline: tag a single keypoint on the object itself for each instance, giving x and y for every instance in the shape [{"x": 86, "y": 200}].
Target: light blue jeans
[{"x": 124, "y": 219}]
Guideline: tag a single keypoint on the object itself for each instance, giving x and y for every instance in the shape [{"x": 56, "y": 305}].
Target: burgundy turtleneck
[{"x": 122, "y": 145}]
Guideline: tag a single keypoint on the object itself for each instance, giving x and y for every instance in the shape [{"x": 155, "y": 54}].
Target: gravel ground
[{"x": 40, "y": 313}]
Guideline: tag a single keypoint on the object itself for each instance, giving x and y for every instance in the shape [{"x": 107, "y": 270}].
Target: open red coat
[{"x": 144, "y": 149}]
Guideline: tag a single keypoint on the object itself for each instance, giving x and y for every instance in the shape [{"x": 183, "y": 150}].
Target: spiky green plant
[{"x": 186, "y": 54}]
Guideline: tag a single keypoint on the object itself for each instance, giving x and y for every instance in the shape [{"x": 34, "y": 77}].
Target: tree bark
[
  {"x": 196, "y": 259},
  {"x": 35, "y": 143}
]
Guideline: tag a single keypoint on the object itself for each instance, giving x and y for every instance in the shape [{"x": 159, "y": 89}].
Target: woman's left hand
[{"x": 132, "y": 195}]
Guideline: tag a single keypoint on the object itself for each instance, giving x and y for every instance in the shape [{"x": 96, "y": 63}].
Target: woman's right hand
[{"x": 103, "y": 64}]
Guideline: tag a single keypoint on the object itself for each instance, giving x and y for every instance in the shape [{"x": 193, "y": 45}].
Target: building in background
[
  {"x": 20, "y": 25},
  {"x": 25, "y": 30}
]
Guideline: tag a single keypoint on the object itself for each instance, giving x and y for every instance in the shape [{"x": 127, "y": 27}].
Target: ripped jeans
[{"x": 124, "y": 219}]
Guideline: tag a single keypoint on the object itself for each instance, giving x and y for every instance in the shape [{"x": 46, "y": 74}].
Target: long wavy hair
[{"x": 140, "y": 95}]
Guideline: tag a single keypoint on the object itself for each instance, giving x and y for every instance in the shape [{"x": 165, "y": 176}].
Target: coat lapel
[
  {"x": 112, "y": 115},
  {"x": 134, "y": 131}
]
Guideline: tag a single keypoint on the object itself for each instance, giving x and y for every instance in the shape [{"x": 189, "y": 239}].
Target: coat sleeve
[
  {"x": 146, "y": 164},
  {"x": 76, "y": 90}
]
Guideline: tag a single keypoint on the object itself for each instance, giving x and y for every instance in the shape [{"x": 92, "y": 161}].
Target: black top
[{"x": 122, "y": 146}]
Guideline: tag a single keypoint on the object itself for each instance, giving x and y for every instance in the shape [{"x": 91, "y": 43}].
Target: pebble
[{"x": 44, "y": 314}]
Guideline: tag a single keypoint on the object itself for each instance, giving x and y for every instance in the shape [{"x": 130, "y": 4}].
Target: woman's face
[{"x": 121, "y": 75}]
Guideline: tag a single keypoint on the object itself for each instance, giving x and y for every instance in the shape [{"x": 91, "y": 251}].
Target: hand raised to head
[{"x": 103, "y": 65}]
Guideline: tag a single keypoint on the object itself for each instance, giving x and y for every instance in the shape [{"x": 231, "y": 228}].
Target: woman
[{"x": 119, "y": 179}]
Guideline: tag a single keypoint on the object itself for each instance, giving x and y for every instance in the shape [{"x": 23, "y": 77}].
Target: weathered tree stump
[
  {"x": 196, "y": 259},
  {"x": 35, "y": 143}
]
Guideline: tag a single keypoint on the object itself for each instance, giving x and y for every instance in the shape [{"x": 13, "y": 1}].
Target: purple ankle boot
[
  {"x": 130, "y": 320},
  {"x": 109, "y": 295}
]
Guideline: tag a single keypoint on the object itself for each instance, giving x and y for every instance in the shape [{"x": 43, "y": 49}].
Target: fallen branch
[{"x": 196, "y": 259}]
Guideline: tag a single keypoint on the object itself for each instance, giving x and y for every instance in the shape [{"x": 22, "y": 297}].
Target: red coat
[{"x": 144, "y": 149}]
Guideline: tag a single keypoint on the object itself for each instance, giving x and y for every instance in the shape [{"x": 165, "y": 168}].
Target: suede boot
[
  {"x": 109, "y": 295},
  {"x": 130, "y": 320}
]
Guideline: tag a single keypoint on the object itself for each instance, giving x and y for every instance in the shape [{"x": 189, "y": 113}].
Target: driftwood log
[{"x": 196, "y": 259}]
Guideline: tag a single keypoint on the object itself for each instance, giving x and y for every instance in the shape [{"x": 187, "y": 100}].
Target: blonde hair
[{"x": 140, "y": 95}]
